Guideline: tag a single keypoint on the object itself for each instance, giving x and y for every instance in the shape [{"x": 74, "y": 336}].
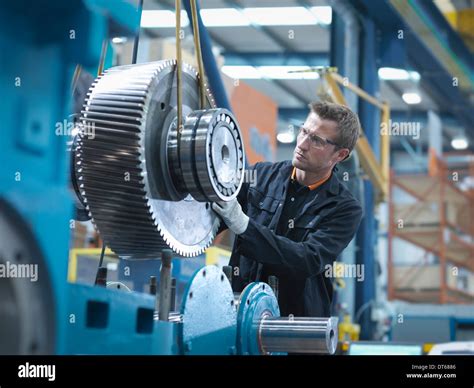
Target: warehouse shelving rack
[{"x": 439, "y": 221}]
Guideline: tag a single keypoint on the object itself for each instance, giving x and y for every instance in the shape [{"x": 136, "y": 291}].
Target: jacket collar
[{"x": 287, "y": 168}]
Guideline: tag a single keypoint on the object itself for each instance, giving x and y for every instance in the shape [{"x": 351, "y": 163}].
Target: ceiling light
[
  {"x": 241, "y": 72},
  {"x": 231, "y": 17},
  {"x": 223, "y": 17},
  {"x": 323, "y": 14},
  {"x": 394, "y": 74},
  {"x": 162, "y": 19},
  {"x": 119, "y": 39},
  {"x": 287, "y": 72},
  {"x": 270, "y": 72},
  {"x": 286, "y": 137},
  {"x": 459, "y": 142},
  {"x": 280, "y": 16},
  {"x": 411, "y": 98}
]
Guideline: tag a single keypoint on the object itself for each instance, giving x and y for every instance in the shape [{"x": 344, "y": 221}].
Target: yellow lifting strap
[{"x": 197, "y": 46}]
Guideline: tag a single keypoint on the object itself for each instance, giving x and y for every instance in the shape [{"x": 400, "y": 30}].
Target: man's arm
[{"x": 321, "y": 247}]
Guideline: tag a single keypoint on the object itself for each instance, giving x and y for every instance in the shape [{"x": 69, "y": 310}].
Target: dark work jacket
[{"x": 323, "y": 227}]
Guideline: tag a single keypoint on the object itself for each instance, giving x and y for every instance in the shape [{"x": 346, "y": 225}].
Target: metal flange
[
  {"x": 208, "y": 314},
  {"x": 257, "y": 301}
]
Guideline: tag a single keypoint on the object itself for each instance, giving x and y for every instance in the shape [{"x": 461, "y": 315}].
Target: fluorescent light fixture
[
  {"x": 231, "y": 17},
  {"x": 393, "y": 74},
  {"x": 411, "y": 98},
  {"x": 459, "y": 143},
  {"x": 162, "y": 19},
  {"x": 287, "y": 72},
  {"x": 286, "y": 137},
  {"x": 119, "y": 39},
  {"x": 241, "y": 72},
  {"x": 270, "y": 72},
  {"x": 280, "y": 16},
  {"x": 323, "y": 14},
  {"x": 223, "y": 17}
]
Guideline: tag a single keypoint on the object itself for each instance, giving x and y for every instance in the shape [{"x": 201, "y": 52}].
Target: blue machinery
[{"x": 42, "y": 313}]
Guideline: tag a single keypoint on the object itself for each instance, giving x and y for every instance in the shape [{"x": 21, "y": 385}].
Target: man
[{"x": 298, "y": 218}]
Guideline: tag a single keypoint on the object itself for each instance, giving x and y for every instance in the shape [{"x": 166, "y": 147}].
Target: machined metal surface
[
  {"x": 124, "y": 166},
  {"x": 261, "y": 330},
  {"x": 164, "y": 305},
  {"x": 212, "y": 155},
  {"x": 298, "y": 335},
  {"x": 256, "y": 301},
  {"x": 208, "y": 314}
]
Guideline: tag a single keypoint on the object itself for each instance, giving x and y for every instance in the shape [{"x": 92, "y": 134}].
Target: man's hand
[{"x": 232, "y": 214}]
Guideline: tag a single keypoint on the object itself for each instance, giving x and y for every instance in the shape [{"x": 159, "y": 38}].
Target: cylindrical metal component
[
  {"x": 165, "y": 285},
  {"x": 298, "y": 335},
  {"x": 273, "y": 283},
  {"x": 101, "y": 278},
  {"x": 211, "y": 152},
  {"x": 153, "y": 285},
  {"x": 173, "y": 294},
  {"x": 227, "y": 269}
]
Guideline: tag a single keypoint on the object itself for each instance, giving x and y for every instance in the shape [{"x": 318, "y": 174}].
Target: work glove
[{"x": 232, "y": 214}]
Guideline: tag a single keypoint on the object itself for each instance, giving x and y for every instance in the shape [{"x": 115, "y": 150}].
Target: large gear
[{"x": 131, "y": 183}]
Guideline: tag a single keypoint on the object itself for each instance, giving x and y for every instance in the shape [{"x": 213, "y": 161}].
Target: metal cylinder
[
  {"x": 164, "y": 304},
  {"x": 297, "y": 335},
  {"x": 101, "y": 277},
  {"x": 273, "y": 283},
  {"x": 211, "y": 155},
  {"x": 153, "y": 285},
  {"x": 173, "y": 294}
]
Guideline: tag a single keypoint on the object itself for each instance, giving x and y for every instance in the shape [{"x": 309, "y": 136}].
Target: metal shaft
[
  {"x": 101, "y": 278},
  {"x": 164, "y": 304},
  {"x": 273, "y": 283},
  {"x": 298, "y": 335},
  {"x": 173, "y": 295},
  {"x": 153, "y": 285}
]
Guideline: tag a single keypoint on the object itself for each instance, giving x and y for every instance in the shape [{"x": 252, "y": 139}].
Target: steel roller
[
  {"x": 212, "y": 155},
  {"x": 297, "y": 335}
]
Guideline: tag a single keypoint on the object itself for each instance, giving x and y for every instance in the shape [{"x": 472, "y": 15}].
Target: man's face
[{"x": 311, "y": 159}]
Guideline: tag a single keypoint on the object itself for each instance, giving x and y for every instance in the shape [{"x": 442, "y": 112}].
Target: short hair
[{"x": 348, "y": 125}]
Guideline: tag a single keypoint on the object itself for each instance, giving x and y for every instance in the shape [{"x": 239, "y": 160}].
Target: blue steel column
[
  {"x": 367, "y": 235},
  {"x": 336, "y": 58},
  {"x": 341, "y": 58}
]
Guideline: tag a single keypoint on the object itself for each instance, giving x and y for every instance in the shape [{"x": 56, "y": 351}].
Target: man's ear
[{"x": 342, "y": 154}]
